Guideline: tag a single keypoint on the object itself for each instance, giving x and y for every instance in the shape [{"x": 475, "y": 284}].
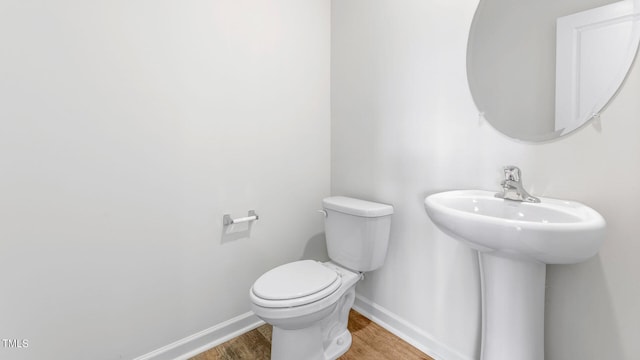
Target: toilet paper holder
[{"x": 227, "y": 220}]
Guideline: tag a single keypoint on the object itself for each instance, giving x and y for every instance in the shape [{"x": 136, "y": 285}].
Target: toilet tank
[{"x": 357, "y": 232}]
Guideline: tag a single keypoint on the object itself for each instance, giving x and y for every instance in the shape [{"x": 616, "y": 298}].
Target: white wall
[
  {"x": 404, "y": 125},
  {"x": 127, "y": 130}
]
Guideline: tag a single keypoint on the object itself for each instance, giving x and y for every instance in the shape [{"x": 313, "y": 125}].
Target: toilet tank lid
[{"x": 356, "y": 207}]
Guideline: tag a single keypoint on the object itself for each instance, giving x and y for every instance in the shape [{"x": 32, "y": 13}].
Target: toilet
[{"x": 307, "y": 301}]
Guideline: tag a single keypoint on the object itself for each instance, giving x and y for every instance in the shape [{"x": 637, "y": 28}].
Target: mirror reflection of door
[{"x": 592, "y": 58}]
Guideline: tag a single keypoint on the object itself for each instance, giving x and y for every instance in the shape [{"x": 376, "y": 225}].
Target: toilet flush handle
[{"x": 324, "y": 212}]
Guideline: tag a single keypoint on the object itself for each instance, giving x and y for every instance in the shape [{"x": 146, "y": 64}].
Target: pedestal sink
[{"x": 515, "y": 241}]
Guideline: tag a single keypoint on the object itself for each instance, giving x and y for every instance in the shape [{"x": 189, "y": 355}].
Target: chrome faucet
[{"x": 512, "y": 188}]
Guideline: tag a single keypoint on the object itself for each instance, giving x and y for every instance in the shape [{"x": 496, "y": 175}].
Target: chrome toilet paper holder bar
[{"x": 227, "y": 220}]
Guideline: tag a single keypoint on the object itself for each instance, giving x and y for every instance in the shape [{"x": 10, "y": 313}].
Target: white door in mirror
[{"x": 594, "y": 50}]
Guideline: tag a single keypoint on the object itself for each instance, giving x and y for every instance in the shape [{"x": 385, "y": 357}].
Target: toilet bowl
[
  {"x": 307, "y": 301},
  {"x": 311, "y": 326}
]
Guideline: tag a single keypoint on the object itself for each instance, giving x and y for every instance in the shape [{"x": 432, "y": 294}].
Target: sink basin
[
  {"x": 552, "y": 231},
  {"x": 515, "y": 240}
]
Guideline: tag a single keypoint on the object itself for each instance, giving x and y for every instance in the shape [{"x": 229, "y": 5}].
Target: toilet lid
[{"x": 303, "y": 281}]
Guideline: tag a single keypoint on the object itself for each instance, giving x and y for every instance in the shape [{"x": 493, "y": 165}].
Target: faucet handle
[
  {"x": 512, "y": 173},
  {"x": 512, "y": 186}
]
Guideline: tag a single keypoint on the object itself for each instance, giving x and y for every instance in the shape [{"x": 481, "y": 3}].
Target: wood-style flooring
[{"x": 370, "y": 342}]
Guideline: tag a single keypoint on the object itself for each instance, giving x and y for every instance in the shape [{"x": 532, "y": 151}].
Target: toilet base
[
  {"x": 338, "y": 346},
  {"x": 326, "y": 339},
  {"x": 296, "y": 344},
  {"x": 304, "y": 344}
]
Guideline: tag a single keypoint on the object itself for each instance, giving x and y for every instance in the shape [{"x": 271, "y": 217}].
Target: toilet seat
[{"x": 295, "y": 284}]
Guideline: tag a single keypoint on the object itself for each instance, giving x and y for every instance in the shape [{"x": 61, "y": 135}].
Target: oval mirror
[{"x": 541, "y": 69}]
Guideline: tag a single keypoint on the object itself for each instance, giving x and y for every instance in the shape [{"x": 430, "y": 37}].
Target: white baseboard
[
  {"x": 206, "y": 339},
  {"x": 406, "y": 331}
]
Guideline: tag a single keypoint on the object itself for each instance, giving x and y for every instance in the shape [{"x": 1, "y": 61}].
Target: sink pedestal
[{"x": 512, "y": 308}]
